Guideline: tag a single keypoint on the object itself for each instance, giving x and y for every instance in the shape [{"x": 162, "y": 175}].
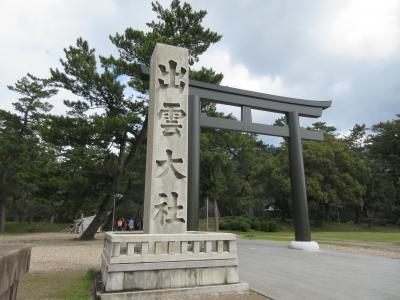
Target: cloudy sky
[{"x": 344, "y": 50}]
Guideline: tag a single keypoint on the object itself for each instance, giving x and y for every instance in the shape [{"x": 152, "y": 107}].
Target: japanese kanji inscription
[{"x": 165, "y": 205}]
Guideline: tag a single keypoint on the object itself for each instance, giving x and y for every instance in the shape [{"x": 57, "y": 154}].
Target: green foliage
[
  {"x": 80, "y": 288},
  {"x": 179, "y": 26},
  {"x": 97, "y": 150},
  {"x": 246, "y": 224},
  {"x": 383, "y": 154},
  {"x": 25, "y": 227},
  {"x": 273, "y": 227},
  {"x": 336, "y": 177},
  {"x": 23, "y": 154},
  {"x": 256, "y": 224},
  {"x": 31, "y": 106},
  {"x": 106, "y": 146}
]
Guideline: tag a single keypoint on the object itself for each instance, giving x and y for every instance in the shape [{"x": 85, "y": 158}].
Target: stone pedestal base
[
  {"x": 174, "y": 293},
  {"x": 133, "y": 263},
  {"x": 310, "y": 246}
]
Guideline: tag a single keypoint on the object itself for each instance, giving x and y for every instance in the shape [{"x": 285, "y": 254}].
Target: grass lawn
[
  {"x": 376, "y": 236},
  {"x": 386, "y": 238},
  {"x": 25, "y": 227},
  {"x": 351, "y": 232},
  {"x": 56, "y": 285},
  {"x": 328, "y": 233}
]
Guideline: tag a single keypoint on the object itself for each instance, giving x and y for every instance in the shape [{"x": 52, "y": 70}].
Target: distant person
[
  {"x": 119, "y": 224},
  {"x": 124, "y": 224},
  {"x": 131, "y": 224}
]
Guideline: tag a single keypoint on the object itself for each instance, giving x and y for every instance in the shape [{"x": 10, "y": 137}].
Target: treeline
[
  {"x": 351, "y": 178},
  {"x": 57, "y": 167}
]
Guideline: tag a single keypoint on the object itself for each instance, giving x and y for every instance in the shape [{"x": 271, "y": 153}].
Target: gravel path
[
  {"x": 53, "y": 252},
  {"x": 390, "y": 250}
]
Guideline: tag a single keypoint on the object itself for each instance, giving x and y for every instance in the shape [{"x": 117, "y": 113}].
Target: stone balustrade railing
[
  {"x": 136, "y": 248},
  {"x": 14, "y": 262},
  {"x": 137, "y": 261}
]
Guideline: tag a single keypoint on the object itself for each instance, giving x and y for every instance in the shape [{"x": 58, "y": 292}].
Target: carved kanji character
[
  {"x": 176, "y": 78},
  {"x": 168, "y": 164},
  {"x": 171, "y": 115},
  {"x": 161, "y": 211},
  {"x": 173, "y": 210},
  {"x": 168, "y": 210}
]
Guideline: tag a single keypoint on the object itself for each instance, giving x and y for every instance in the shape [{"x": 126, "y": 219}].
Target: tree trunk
[
  {"x": 283, "y": 215},
  {"x": 356, "y": 215},
  {"x": 3, "y": 203},
  {"x": 108, "y": 223},
  {"x": 106, "y": 204},
  {"x": 101, "y": 215},
  {"x": 2, "y": 215},
  {"x": 25, "y": 123},
  {"x": 216, "y": 216}
]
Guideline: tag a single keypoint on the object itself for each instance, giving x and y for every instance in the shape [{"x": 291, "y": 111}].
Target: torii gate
[
  {"x": 246, "y": 100},
  {"x": 292, "y": 108}
]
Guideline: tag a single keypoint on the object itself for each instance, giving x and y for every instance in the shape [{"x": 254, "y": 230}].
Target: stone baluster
[
  {"x": 145, "y": 248},
  {"x": 116, "y": 249},
  {"x": 220, "y": 246},
  {"x": 131, "y": 249}
]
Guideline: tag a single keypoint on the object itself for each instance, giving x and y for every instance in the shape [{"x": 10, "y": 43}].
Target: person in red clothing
[
  {"x": 119, "y": 224},
  {"x": 124, "y": 224}
]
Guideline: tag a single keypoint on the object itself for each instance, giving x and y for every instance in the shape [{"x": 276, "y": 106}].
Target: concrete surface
[{"x": 283, "y": 274}]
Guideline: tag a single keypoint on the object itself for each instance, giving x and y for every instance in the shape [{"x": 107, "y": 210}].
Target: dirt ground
[
  {"x": 58, "y": 262},
  {"x": 385, "y": 249},
  {"x": 54, "y": 252}
]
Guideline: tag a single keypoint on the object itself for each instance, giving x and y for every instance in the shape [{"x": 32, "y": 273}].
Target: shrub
[
  {"x": 256, "y": 224},
  {"x": 225, "y": 224},
  {"x": 264, "y": 226},
  {"x": 273, "y": 227},
  {"x": 269, "y": 226},
  {"x": 234, "y": 225},
  {"x": 239, "y": 224},
  {"x": 246, "y": 224}
]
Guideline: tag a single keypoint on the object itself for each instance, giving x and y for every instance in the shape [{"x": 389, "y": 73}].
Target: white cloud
[
  {"x": 281, "y": 42},
  {"x": 364, "y": 29},
  {"x": 340, "y": 88},
  {"x": 33, "y": 34},
  {"x": 237, "y": 74}
]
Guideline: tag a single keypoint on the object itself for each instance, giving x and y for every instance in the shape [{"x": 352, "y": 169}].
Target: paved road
[{"x": 284, "y": 274}]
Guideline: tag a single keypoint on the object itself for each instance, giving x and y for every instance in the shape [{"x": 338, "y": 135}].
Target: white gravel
[{"x": 59, "y": 251}]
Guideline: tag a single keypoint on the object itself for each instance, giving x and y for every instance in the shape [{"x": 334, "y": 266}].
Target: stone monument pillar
[
  {"x": 166, "y": 259},
  {"x": 165, "y": 202}
]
